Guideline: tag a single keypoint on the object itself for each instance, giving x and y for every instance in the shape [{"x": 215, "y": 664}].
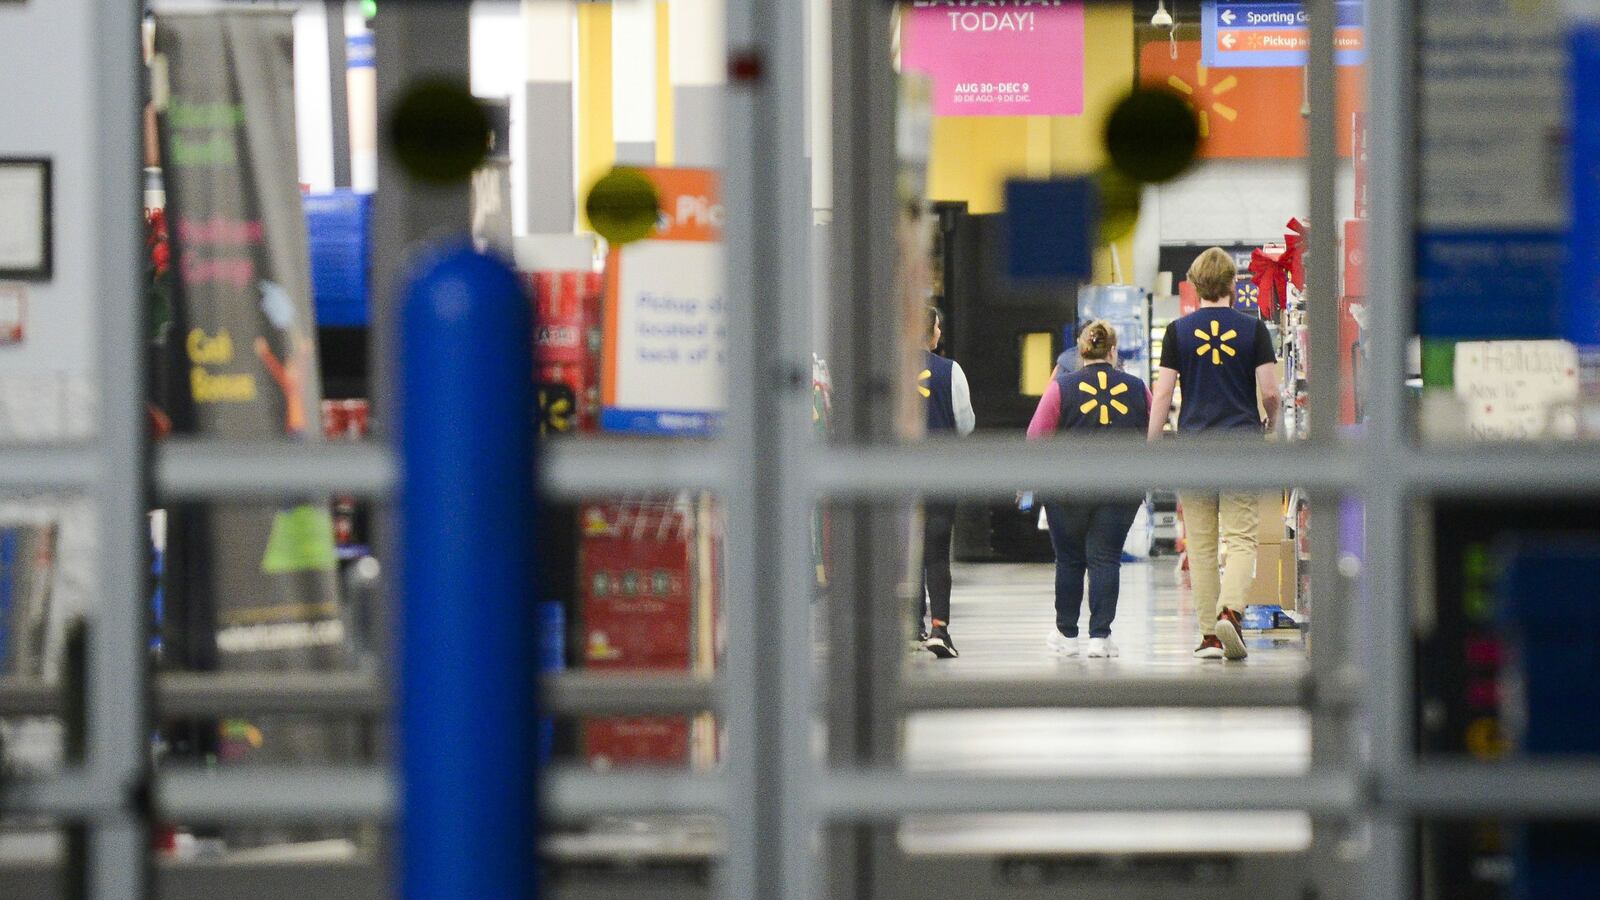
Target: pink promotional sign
[{"x": 994, "y": 58}]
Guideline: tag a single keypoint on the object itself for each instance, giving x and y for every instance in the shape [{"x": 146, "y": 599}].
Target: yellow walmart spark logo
[
  {"x": 1215, "y": 344},
  {"x": 557, "y": 408},
  {"x": 1103, "y": 398},
  {"x": 922, "y": 383},
  {"x": 1203, "y": 98}
]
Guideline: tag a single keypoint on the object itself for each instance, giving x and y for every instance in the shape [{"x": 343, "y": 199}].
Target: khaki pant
[{"x": 1235, "y": 517}]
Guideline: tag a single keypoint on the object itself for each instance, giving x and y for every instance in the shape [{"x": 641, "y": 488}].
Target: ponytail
[{"x": 1097, "y": 341}]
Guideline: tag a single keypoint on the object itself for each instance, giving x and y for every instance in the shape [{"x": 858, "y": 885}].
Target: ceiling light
[{"x": 1162, "y": 18}]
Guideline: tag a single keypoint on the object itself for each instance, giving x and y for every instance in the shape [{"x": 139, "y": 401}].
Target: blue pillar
[
  {"x": 468, "y": 652},
  {"x": 1581, "y": 293}
]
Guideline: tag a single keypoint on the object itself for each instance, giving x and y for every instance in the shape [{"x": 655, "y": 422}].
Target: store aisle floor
[{"x": 1001, "y": 615}]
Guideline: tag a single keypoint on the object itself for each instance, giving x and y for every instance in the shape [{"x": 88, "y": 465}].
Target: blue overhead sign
[{"x": 1272, "y": 35}]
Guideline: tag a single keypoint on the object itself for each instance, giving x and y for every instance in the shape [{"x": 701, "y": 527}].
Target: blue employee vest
[
  {"x": 1217, "y": 358},
  {"x": 933, "y": 386},
  {"x": 1100, "y": 396}
]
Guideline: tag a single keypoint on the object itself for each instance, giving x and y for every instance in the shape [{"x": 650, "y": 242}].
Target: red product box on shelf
[
  {"x": 345, "y": 420},
  {"x": 567, "y": 348},
  {"x": 636, "y": 580},
  {"x": 1355, "y": 258},
  {"x": 636, "y": 585},
  {"x": 643, "y": 740}
]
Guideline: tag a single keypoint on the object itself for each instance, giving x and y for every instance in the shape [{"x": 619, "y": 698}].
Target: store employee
[
  {"x": 1221, "y": 358},
  {"x": 948, "y": 402}
]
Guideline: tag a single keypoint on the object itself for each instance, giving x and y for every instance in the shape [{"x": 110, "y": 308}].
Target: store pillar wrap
[{"x": 266, "y": 573}]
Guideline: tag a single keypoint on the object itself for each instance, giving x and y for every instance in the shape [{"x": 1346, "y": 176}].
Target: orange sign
[
  {"x": 1247, "y": 113},
  {"x": 1283, "y": 39},
  {"x": 691, "y": 205}
]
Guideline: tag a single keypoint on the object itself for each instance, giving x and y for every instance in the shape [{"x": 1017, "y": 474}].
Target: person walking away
[
  {"x": 1220, "y": 358},
  {"x": 944, "y": 391},
  {"x": 1088, "y": 535}
]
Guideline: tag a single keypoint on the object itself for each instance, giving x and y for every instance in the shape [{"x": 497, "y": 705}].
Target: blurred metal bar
[
  {"x": 261, "y": 470},
  {"x": 1385, "y": 604},
  {"x": 1496, "y": 469},
  {"x": 34, "y": 470},
  {"x": 206, "y": 694},
  {"x": 338, "y": 94},
  {"x": 288, "y": 794},
  {"x": 115, "y": 701},
  {"x": 626, "y": 695},
  {"x": 186, "y": 694},
  {"x": 1543, "y": 789},
  {"x": 980, "y": 466},
  {"x": 307, "y": 794},
  {"x": 889, "y": 795},
  {"x": 575, "y": 794},
  {"x": 767, "y": 705},
  {"x": 70, "y": 794},
  {"x": 203, "y": 694},
  {"x": 1332, "y": 736},
  {"x": 586, "y": 468},
  {"x": 29, "y": 697},
  {"x": 1322, "y": 264},
  {"x": 1106, "y": 692},
  {"x": 1522, "y": 789}
]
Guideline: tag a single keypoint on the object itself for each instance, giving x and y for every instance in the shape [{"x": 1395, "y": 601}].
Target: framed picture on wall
[{"x": 25, "y": 219}]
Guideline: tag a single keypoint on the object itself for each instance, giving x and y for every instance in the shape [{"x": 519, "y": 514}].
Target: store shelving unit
[{"x": 767, "y": 467}]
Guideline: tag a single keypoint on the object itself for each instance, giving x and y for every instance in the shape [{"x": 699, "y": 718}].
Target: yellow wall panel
[
  {"x": 666, "y": 151},
  {"x": 597, "y": 149}
]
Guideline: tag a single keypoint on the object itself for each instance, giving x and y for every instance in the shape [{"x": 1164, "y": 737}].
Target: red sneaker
[
  {"x": 1230, "y": 630},
  {"x": 1210, "y": 648}
]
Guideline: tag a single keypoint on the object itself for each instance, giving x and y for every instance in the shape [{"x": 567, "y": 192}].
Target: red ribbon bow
[{"x": 1272, "y": 274}]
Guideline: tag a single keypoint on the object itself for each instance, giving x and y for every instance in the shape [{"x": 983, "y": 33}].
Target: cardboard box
[
  {"x": 1288, "y": 577},
  {"x": 1277, "y": 576},
  {"x": 1270, "y": 529},
  {"x": 1264, "y": 587}
]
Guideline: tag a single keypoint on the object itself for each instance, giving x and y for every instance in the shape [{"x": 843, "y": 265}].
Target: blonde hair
[
  {"x": 1097, "y": 341},
  {"x": 1213, "y": 274}
]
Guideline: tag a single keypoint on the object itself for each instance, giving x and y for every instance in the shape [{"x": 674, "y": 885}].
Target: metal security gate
[{"x": 1365, "y": 786}]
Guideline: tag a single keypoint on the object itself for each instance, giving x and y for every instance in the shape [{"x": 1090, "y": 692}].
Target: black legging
[{"x": 938, "y": 521}]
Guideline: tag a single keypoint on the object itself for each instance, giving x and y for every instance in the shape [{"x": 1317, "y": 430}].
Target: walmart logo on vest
[
  {"x": 922, "y": 383},
  {"x": 1105, "y": 401},
  {"x": 1215, "y": 344}
]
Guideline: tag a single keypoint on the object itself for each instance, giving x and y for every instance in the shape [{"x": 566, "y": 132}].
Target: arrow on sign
[
  {"x": 1227, "y": 41},
  {"x": 1227, "y": 17}
]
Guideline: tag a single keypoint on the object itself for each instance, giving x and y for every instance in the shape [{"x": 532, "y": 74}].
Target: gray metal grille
[{"x": 767, "y": 467}]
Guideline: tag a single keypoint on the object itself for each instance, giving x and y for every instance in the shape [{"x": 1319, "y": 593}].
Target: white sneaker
[
  {"x": 1102, "y": 648},
  {"x": 1062, "y": 644}
]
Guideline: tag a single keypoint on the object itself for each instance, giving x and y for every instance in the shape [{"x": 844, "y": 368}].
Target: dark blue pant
[
  {"x": 938, "y": 523},
  {"x": 1088, "y": 539}
]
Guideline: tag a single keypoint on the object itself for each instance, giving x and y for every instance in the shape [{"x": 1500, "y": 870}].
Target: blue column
[
  {"x": 468, "y": 644},
  {"x": 1581, "y": 306}
]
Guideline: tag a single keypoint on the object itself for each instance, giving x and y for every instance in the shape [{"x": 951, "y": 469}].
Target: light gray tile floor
[{"x": 1000, "y": 616}]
